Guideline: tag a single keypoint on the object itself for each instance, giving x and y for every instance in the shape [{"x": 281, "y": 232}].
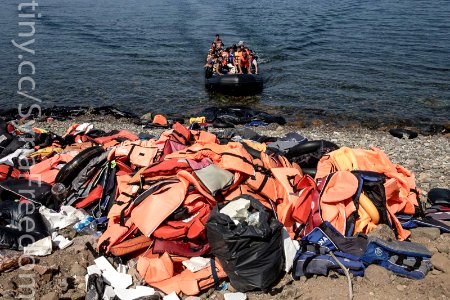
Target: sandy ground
[{"x": 61, "y": 275}]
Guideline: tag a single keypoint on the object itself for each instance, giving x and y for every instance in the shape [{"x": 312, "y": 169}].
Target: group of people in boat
[{"x": 237, "y": 59}]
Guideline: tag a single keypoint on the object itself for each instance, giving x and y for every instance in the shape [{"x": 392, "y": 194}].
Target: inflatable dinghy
[{"x": 235, "y": 84}]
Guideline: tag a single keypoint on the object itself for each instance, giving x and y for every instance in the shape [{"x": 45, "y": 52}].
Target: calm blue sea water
[{"x": 384, "y": 60}]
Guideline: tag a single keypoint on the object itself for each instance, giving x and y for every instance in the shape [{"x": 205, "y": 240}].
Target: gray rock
[
  {"x": 290, "y": 292},
  {"x": 443, "y": 248},
  {"x": 431, "y": 248},
  {"x": 64, "y": 285},
  {"x": 424, "y": 177},
  {"x": 77, "y": 270},
  {"x": 46, "y": 278},
  {"x": 81, "y": 286},
  {"x": 11, "y": 285},
  {"x": 436, "y": 272},
  {"x": 383, "y": 232},
  {"x": 427, "y": 232},
  {"x": 148, "y": 116},
  {"x": 50, "y": 296},
  {"x": 41, "y": 269},
  {"x": 441, "y": 262},
  {"x": 401, "y": 287},
  {"x": 377, "y": 275}
]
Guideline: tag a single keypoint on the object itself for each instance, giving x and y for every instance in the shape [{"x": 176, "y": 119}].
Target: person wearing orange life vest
[{"x": 244, "y": 63}]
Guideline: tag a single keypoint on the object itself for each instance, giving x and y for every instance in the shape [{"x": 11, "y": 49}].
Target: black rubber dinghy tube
[
  {"x": 304, "y": 148},
  {"x": 310, "y": 147},
  {"x": 220, "y": 123},
  {"x": 403, "y": 133},
  {"x": 72, "y": 168},
  {"x": 310, "y": 171},
  {"x": 439, "y": 196}
]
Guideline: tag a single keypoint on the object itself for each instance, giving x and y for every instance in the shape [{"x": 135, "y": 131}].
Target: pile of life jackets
[{"x": 153, "y": 197}]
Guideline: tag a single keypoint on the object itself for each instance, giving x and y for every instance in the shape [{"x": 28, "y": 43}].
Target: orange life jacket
[
  {"x": 401, "y": 190},
  {"x": 47, "y": 170},
  {"x": 286, "y": 194},
  {"x": 232, "y": 157},
  {"x": 160, "y": 119},
  {"x": 204, "y": 137},
  {"x": 140, "y": 153},
  {"x": 336, "y": 204},
  {"x": 161, "y": 272},
  {"x": 123, "y": 135},
  {"x": 131, "y": 245},
  {"x": 7, "y": 172}
]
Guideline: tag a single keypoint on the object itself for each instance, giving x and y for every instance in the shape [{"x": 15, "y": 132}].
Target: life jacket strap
[{"x": 214, "y": 274}]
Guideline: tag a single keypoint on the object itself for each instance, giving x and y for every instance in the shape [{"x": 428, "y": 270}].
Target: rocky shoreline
[{"x": 61, "y": 274}]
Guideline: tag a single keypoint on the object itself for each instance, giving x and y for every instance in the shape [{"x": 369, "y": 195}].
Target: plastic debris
[
  {"x": 198, "y": 263},
  {"x": 42, "y": 247},
  {"x": 60, "y": 241},
  {"x": 122, "y": 268},
  {"x": 67, "y": 215},
  {"x": 290, "y": 248},
  {"x": 237, "y": 210}
]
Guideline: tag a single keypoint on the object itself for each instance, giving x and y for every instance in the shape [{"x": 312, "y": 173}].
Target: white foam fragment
[
  {"x": 171, "y": 296},
  {"x": 117, "y": 280},
  {"x": 109, "y": 293},
  {"x": 235, "y": 296},
  {"x": 61, "y": 242},
  {"x": 103, "y": 264},
  {"x": 130, "y": 294},
  {"x": 94, "y": 269}
]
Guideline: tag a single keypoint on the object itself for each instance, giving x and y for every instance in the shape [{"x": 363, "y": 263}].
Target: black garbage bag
[
  {"x": 251, "y": 255},
  {"x": 27, "y": 225},
  {"x": 95, "y": 287},
  {"x": 5, "y": 137},
  {"x": 34, "y": 191}
]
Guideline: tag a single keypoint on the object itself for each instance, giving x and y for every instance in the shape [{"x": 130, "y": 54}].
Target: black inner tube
[
  {"x": 403, "y": 133},
  {"x": 72, "y": 168}
]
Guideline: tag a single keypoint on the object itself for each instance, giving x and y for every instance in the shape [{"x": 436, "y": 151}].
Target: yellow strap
[{"x": 197, "y": 120}]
